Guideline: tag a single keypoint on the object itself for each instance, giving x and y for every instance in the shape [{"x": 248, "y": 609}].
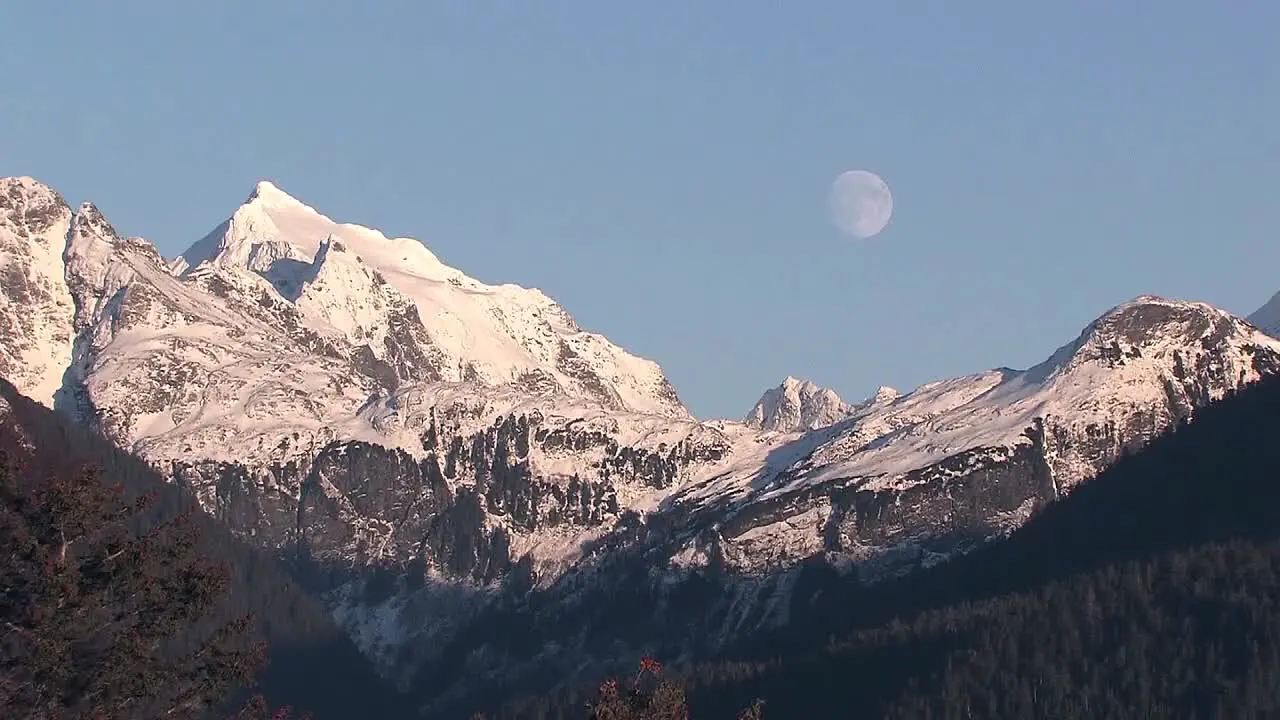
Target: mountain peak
[
  {"x": 24, "y": 184},
  {"x": 793, "y": 382},
  {"x": 90, "y": 220},
  {"x": 266, "y": 187},
  {"x": 489, "y": 335},
  {"x": 1146, "y": 328},
  {"x": 268, "y": 193},
  {"x": 24, "y": 199},
  {"x": 796, "y": 404},
  {"x": 883, "y": 394},
  {"x": 257, "y": 222},
  {"x": 1149, "y": 319}
]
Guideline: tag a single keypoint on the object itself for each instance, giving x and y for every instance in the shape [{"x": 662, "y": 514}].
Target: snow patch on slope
[{"x": 348, "y": 295}]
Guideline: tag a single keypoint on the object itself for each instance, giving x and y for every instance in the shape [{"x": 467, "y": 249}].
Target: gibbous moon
[{"x": 861, "y": 203}]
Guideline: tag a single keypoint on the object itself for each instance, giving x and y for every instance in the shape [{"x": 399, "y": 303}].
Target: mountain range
[
  {"x": 1152, "y": 591},
  {"x": 481, "y": 491}
]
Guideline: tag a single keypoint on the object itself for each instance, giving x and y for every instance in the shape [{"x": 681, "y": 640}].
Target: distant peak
[
  {"x": 89, "y": 219},
  {"x": 27, "y": 187},
  {"x": 1132, "y": 329},
  {"x": 265, "y": 189},
  {"x": 792, "y": 381},
  {"x": 269, "y": 194},
  {"x": 796, "y": 404},
  {"x": 25, "y": 182},
  {"x": 885, "y": 393},
  {"x": 89, "y": 212},
  {"x": 1154, "y": 306}
]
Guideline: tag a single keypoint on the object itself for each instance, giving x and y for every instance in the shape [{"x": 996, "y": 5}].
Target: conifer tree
[{"x": 97, "y": 617}]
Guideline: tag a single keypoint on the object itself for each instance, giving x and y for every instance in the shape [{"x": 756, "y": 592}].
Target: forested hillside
[
  {"x": 1152, "y": 591},
  {"x": 311, "y": 665}
]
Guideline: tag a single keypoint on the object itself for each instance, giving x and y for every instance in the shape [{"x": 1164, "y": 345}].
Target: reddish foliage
[
  {"x": 648, "y": 697},
  {"x": 258, "y": 709}
]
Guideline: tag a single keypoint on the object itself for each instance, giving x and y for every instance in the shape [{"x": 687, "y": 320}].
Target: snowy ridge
[
  {"x": 321, "y": 385},
  {"x": 281, "y": 330},
  {"x": 495, "y": 335},
  {"x": 1132, "y": 373}
]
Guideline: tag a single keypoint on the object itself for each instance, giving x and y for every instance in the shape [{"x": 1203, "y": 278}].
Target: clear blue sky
[{"x": 661, "y": 168}]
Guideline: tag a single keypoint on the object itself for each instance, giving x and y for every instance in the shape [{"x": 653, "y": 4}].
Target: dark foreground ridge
[{"x": 311, "y": 665}]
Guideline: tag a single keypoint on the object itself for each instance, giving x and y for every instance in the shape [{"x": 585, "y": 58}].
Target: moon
[{"x": 861, "y": 203}]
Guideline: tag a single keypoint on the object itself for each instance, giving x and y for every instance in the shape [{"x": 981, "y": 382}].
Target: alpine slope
[{"x": 443, "y": 460}]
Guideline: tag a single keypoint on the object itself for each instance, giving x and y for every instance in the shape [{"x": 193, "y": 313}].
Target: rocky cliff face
[
  {"x": 480, "y": 489},
  {"x": 35, "y": 306}
]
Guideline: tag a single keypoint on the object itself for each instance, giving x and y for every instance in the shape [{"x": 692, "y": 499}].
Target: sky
[{"x": 662, "y": 168}]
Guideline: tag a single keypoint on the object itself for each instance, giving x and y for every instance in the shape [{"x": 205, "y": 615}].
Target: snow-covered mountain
[
  {"x": 794, "y": 405},
  {"x": 282, "y": 325},
  {"x": 465, "y": 475},
  {"x": 35, "y": 305},
  {"x": 367, "y": 287},
  {"x": 799, "y": 405}
]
